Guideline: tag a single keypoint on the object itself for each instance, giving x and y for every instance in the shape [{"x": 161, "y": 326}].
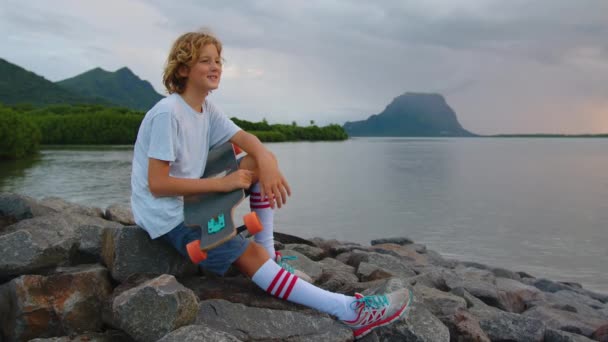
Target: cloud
[{"x": 520, "y": 65}]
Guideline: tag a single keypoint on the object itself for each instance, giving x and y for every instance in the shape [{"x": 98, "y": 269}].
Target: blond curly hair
[{"x": 184, "y": 53}]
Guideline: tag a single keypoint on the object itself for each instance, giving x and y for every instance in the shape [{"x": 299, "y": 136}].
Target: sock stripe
[
  {"x": 291, "y": 285},
  {"x": 280, "y": 289},
  {"x": 275, "y": 281},
  {"x": 260, "y": 206},
  {"x": 257, "y": 200}
]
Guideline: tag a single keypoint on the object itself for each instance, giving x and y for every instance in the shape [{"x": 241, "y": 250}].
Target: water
[{"x": 534, "y": 205}]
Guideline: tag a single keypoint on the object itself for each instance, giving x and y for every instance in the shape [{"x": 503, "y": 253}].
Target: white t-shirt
[{"x": 174, "y": 132}]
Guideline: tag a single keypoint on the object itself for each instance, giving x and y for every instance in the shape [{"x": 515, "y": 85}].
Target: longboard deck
[{"x": 206, "y": 211}]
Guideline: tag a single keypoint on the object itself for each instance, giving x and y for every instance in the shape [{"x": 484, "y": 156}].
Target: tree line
[{"x": 23, "y": 128}]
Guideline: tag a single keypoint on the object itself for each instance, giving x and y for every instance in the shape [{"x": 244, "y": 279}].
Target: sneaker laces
[
  {"x": 370, "y": 302},
  {"x": 283, "y": 262}
]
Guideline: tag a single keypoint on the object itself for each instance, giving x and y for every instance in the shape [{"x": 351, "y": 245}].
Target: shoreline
[{"x": 53, "y": 252}]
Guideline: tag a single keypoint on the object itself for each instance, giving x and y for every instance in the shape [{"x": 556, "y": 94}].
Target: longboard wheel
[
  {"x": 195, "y": 253},
  {"x": 253, "y": 224}
]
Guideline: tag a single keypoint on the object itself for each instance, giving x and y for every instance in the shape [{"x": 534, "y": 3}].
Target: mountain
[
  {"x": 18, "y": 85},
  {"x": 121, "y": 87},
  {"x": 411, "y": 115}
]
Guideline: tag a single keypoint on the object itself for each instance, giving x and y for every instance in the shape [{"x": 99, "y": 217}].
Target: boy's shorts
[{"x": 218, "y": 259}]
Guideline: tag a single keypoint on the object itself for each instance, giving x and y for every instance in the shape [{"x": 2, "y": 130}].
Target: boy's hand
[
  {"x": 272, "y": 182},
  {"x": 239, "y": 179}
]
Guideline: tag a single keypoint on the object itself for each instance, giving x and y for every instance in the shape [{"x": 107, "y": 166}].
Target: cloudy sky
[{"x": 517, "y": 66}]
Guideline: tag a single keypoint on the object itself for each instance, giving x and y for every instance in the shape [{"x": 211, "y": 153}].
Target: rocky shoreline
[{"x": 74, "y": 273}]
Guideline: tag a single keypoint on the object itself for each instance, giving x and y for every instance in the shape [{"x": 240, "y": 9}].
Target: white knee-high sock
[
  {"x": 282, "y": 284},
  {"x": 265, "y": 213}
]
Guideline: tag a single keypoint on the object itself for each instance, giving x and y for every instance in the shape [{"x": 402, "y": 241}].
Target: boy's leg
[
  {"x": 256, "y": 264},
  {"x": 262, "y": 208}
]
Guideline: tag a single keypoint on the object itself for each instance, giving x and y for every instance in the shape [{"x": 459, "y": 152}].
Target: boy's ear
[{"x": 183, "y": 71}]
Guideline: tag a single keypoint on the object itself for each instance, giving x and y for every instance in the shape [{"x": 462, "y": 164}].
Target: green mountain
[
  {"x": 121, "y": 87},
  {"x": 411, "y": 115},
  {"x": 18, "y": 85}
]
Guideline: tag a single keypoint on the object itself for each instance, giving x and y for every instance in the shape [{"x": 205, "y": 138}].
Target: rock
[
  {"x": 398, "y": 241},
  {"x": 130, "y": 250},
  {"x": 547, "y": 285},
  {"x": 552, "y": 335},
  {"x": 336, "y": 274},
  {"x": 466, "y": 327},
  {"x": 155, "y": 308},
  {"x": 406, "y": 253},
  {"x": 121, "y": 214},
  {"x": 64, "y": 207},
  {"x": 304, "y": 264},
  {"x": 500, "y": 325},
  {"x": 497, "y": 271},
  {"x": 433, "y": 277},
  {"x": 14, "y": 208},
  {"x": 291, "y": 239},
  {"x": 198, "y": 333},
  {"x": 335, "y": 247},
  {"x": 387, "y": 263},
  {"x": 601, "y": 334},
  {"x": 246, "y": 323},
  {"x": 238, "y": 290},
  {"x": 370, "y": 272},
  {"x": 33, "y": 245},
  {"x": 108, "y": 336},
  {"x": 516, "y": 297},
  {"x": 436, "y": 259},
  {"x": 33, "y": 250},
  {"x": 479, "y": 283},
  {"x": 67, "y": 302},
  {"x": 564, "y": 320},
  {"x": 441, "y": 304},
  {"x": 418, "y": 324},
  {"x": 313, "y": 253}
]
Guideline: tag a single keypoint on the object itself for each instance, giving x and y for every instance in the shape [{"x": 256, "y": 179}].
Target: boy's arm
[
  {"x": 162, "y": 184},
  {"x": 272, "y": 181}
]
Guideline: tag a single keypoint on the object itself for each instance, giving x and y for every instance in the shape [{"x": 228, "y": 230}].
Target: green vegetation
[
  {"x": 23, "y": 127},
  {"x": 279, "y": 132},
  {"x": 19, "y": 136}
]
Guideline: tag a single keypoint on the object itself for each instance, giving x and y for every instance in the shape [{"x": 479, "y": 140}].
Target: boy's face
[{"x": 204, "y": 74}]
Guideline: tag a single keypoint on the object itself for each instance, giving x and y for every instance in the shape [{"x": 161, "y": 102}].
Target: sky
[{"x": 517, "y": 66}]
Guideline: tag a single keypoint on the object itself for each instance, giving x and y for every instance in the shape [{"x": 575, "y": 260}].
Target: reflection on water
[{"x": 534, "y": 205}]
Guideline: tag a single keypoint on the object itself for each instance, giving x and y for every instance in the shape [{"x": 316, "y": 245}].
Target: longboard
[{"x": 213, "y": 213}]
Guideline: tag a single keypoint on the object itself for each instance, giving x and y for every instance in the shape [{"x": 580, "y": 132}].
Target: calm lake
[{"x": 534, "y": 205}]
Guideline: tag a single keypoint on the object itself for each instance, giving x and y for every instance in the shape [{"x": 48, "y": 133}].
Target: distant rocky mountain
[
  {"x": 121, "y": 87},
  {"x": 411, "y": 115},
  {"x": 18, "y": 85}
]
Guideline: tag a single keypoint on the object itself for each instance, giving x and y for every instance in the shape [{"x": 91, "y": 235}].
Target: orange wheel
[
  {"x": 195, "y": 253},
  {"x": 237, "y": 150},
  {"x": 253, "y": 224}
]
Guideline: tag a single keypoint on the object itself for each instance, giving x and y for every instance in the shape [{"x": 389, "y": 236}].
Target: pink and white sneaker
[{"x": 379, "y": 310}]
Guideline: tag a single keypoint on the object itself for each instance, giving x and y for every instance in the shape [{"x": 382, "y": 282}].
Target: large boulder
[
  {"x": 560, "y": 319},
  {"x": 121, "y": 214},
  {"x": 65, "y": 207},
  {"x": 153, "y": 309},
  {"x": 130, "y": 251},
  {"x": 500, "y": 325},
  {"x": 336, "y": 274},
  {"x": 238, "y": 289},
  {"x": 247, "y": 323},
  {"x": 39, "y": 243},
  {"x": 66, "y": 302},
  {"x": 14, "y": 208}
]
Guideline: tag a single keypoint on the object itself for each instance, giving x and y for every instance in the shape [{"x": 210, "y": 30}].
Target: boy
[{"x": 169, "y": 158}]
